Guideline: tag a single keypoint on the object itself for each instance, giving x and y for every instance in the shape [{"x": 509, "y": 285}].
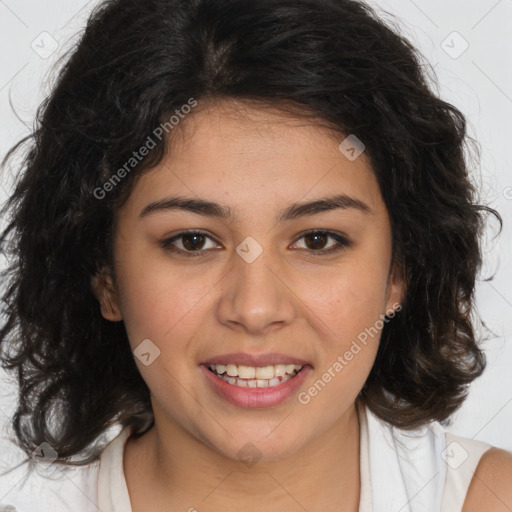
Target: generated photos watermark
[
  {"x": 149, "y": 144},
  {"x": 343, "y": 360}
]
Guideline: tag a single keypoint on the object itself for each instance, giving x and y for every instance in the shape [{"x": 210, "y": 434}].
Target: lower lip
[{"x": 255, "y": 397}]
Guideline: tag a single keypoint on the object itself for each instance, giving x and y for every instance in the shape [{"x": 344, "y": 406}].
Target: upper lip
[{"x": 255, "y": 359}]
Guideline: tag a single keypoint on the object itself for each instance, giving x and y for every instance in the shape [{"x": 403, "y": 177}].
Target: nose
[{"x": 255, "y": 296}]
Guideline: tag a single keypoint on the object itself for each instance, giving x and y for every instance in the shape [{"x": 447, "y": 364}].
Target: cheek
[
  {"x": 350, "y": 300},
  {"x": 159, "y": 301},
  {"x": 347, "y": 314}
]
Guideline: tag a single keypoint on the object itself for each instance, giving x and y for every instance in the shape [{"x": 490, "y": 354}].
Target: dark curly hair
[{"x": 137, "y": 63}]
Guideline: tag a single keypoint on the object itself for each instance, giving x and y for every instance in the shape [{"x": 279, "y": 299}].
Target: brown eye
[
  {"x": 316, "y": 241},
  {"x": 193, "y": 242},
  {"x": 188, "y": 243}
]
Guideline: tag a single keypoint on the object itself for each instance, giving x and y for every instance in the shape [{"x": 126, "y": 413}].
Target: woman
[{"x": 246, "y": 233}]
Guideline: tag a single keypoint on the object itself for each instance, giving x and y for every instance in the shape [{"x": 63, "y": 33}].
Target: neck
[{"x": 179, "y": 469}]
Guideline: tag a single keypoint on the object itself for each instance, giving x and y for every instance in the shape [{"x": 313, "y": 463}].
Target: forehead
[{"x": 236, "y": 153}]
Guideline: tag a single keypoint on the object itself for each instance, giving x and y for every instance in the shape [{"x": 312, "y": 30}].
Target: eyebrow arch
[{"x": 215, "y": 210}]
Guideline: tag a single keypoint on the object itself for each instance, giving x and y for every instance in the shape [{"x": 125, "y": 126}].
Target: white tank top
[{"x": 425, "y": 470}]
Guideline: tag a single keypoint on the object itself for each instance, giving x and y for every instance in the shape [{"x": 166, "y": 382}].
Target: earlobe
[
  {"x": 103, "y": 288},
  {"x": 396, "y": 290}
]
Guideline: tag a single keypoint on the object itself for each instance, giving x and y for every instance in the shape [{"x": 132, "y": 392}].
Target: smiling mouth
[{"x": 255, "y": 376}]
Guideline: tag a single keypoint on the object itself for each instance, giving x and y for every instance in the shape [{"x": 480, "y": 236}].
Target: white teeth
[
  {"x": 232, "y": 370},
  {"x": 289, "y": 368},
  {"x": 252, "y": 372},
  {"x": 265, "y": 372},
  {"x": 245, "y": 372},
  {"x": 256, "y": 377},
  {"x": 280, "y": 370}
]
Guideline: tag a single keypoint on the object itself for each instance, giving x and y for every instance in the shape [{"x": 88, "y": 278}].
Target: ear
[
  {"x": 396, "y": 290},
  {"x": 102, "y": 285}
]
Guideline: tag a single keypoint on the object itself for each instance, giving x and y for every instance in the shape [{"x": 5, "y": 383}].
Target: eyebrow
[{"x": 215, "y": 210}]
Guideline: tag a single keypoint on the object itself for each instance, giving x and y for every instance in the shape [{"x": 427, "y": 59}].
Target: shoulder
[{"x": 491, "y": 485}]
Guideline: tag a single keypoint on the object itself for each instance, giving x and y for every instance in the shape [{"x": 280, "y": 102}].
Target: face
[{"x": 274, "y": 284}]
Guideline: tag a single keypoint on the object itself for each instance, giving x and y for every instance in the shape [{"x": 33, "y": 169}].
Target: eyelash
[{"x": 343, "y": 242}]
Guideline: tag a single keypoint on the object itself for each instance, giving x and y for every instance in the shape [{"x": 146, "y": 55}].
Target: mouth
[
  {"x": 255, "y": 380},
  {"x": 255, "y": 386},
  {"x": 255, "y": 376}
]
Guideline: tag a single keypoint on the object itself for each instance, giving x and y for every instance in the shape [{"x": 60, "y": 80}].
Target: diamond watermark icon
[
  {"x": 45, "y": 455},
  {"x": 249, "y": 454},
  {"x": 249, "y": 249},
  {"x": 44, "y": 45},
  {"x": 454, "y": 455},
  {"x": 352, "y": 147},
  {"x": 146, "y": 352},
  {"x": 454, "y": 45}
]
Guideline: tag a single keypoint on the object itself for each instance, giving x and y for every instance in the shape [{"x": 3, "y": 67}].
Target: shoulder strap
[
  {"x": 112, "y": 490},
  {"x": 462, "y": 457}
]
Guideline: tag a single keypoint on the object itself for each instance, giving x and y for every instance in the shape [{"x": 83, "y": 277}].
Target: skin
[
  {"x": 490, "y": 487},
  {"x": 289, "y": 300}
]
